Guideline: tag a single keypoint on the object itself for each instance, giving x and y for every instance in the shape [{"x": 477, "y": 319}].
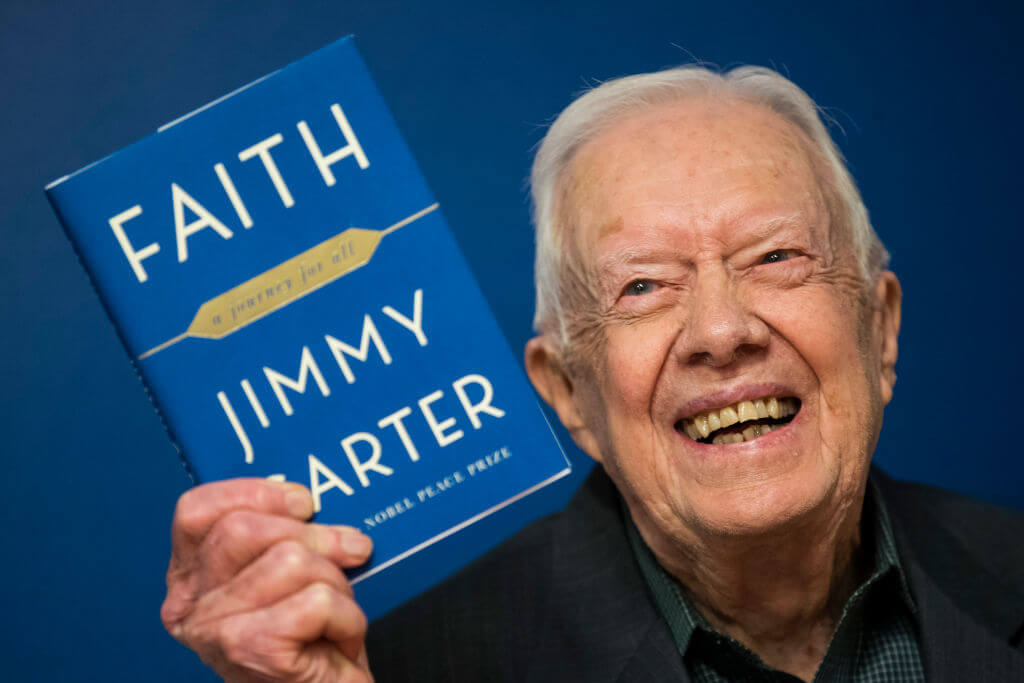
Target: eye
[
  {"x": 777, "y": 255},
  {"x": 640, "y": 287}
]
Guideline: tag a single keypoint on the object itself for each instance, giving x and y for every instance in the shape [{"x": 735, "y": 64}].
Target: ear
[
  {"x": 888, "y": 298},
  {"x": 549, "y": 374}
]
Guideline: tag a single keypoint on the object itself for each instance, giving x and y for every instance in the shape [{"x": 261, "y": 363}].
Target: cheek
[
  {"x": 821, "y": 325},
  {"x": 819, "y": 321},
  {"x": 635, "y": 356}
]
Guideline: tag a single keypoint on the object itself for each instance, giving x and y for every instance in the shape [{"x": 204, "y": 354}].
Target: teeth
[
  {"x": 751, "y": 432},
  {"x": 701, "y": 426},
  {"x": 787, "y": 407},
  {"x": 728, "y": 416},
  {"x": 747, "y": 411},
  {"x": 762, "y": 409}
]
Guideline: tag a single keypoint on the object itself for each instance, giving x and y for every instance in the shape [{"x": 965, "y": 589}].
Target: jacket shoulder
[
  {"x": 561, "y": 600},
  {"x": 473, "y": 625},
  {"x": 969, "y": 549},
  {"x": 930, "y": 516}
]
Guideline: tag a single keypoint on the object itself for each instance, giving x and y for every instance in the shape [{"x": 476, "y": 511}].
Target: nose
[{"x": 720, "y": 328}]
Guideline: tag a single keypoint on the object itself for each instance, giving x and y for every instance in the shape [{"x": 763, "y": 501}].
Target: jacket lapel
[
  {"x": 656, "y": 660},
  {"x": 954, "y": 647},
  {"x": 969, "y": 606},
  {"x": 616, "y": 631}
]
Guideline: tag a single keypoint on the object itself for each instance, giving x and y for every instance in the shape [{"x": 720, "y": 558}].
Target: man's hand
[{"x": 259, "y": 593}]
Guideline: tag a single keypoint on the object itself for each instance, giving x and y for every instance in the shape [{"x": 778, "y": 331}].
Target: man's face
[{"x": 720, "y": 279}]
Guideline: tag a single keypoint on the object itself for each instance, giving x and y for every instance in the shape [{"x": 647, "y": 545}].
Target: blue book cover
[{"x": 287, "y": 288}]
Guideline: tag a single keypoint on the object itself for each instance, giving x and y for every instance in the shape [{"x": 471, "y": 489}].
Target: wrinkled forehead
[{"x": 701, "y": 159}]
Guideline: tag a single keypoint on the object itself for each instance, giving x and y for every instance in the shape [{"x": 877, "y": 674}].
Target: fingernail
[
  {"x": 299, "y": 503},
  {"x": 354, "y": 541}
]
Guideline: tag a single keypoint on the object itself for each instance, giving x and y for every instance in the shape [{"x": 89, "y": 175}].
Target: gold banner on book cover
[{"x": 284, "y": 283}]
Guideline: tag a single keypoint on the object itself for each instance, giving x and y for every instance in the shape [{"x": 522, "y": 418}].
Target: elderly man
[{"x": 718, "y": 330}]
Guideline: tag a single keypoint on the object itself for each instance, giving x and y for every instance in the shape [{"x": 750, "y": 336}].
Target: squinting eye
[
  {"x": 776, "y": 256},
  {"x": 640, "y": 287}
]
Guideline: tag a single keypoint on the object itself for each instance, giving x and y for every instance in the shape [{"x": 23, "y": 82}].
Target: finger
[
  {"x": 197, "y": 511},
  {"x": 285, "y": 568},
  {"x": 240, "y": 536},
  {"x": 321, "y": 612},
  {"x": 282, "y": 639},
  {"x": 199, "y": 508}
]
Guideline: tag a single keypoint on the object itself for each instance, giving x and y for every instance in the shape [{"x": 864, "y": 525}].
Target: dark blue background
[{"x": 928, "y": 98}]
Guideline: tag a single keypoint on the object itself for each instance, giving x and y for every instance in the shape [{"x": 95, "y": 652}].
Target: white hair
[{"x": 600, "y": 107}]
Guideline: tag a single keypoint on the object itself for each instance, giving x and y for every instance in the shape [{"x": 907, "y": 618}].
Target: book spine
[{"x": 53, "y": 195}]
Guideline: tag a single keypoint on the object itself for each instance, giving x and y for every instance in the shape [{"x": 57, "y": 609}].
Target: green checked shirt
[{"x": 876, "y": 639}]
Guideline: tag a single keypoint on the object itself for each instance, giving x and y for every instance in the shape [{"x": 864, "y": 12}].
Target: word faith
[{"x": 202, "y": 218}]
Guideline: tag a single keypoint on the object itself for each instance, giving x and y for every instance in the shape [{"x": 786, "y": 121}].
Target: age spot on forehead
[{"x": 610, "y": 227}]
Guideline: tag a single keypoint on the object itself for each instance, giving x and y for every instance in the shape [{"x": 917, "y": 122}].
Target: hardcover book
[{"x": 287, "y": 288}]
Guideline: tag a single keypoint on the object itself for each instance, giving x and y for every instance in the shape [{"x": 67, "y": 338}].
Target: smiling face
[{"x": 722, "y": 299}]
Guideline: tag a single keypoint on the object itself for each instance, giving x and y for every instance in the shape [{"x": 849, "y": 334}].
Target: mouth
[{"x": 741, "y": 421}]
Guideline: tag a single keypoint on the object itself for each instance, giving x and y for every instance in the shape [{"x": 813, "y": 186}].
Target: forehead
[{"x": 700, "y": 165}]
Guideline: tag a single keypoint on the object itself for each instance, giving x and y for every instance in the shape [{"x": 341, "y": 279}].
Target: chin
[{"x": 764, "y": 507}]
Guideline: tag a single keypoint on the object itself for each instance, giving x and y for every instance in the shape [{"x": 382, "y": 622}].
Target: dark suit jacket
[{"x": 564, "y": 599}]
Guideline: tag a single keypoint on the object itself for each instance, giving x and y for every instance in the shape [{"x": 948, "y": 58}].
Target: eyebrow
[
  {"x": 634, "y": 255},
  {"x": 773, "y": 225}
]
